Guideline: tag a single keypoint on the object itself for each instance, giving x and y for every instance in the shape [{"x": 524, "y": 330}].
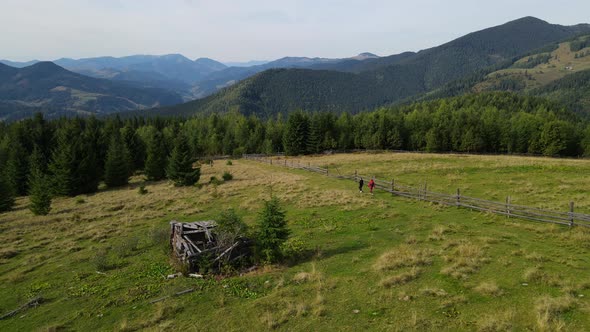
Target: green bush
[
  {"x": 229, "y": 163},
  {"x": 227, "y": 176},
  {"x": 215, "y": 181},
  {"x": 141, "y": 190},
  {"x": 229, "y": 228}
]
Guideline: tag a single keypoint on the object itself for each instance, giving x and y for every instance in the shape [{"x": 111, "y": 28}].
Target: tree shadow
[{"x": 319, "y": 253}]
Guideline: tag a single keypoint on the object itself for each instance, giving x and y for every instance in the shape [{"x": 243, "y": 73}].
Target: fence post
[
  {"x": 392, "y": 186},
  {"x": 458, "y": 197},
  {"x": 571, "y": 214},
  {"x": 425, "y": 190},
  {"x": 508, "y": 206},
  {"x": 327, "y": 173},
  {"x": 355, "y": 175}
]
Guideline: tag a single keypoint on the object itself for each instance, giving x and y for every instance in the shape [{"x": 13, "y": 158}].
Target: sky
[{"x": 254, "y": 29}]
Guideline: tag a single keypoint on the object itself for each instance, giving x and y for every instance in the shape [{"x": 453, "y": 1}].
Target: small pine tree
[
  {"x": 155, "y": 164},
  {"x": 6, "y": 194},
  {"x": 117, "y": 168},
  {"x": 180, "y": 164},
  {"x": 272, "y": 231},
  {"x": 39, "y": 185}
]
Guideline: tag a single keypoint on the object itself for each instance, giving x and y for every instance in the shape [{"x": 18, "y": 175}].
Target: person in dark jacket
[{"x": 361, "y": 183}]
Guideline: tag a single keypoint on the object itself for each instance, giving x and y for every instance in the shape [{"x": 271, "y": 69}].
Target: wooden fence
[{"x": 422, "y": 193}]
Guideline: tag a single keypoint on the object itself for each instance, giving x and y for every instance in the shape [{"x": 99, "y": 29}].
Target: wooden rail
[{"x": 506, "y": 208}]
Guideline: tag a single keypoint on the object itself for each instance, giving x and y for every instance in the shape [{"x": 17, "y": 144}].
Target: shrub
[
  {"x": 229, "y": 163},
  {"x": 215, "y": 181},
  {"x": 80, "y": 200},
  {"x": 272, "y": 231},
  {"x": 227, "y": 176},
  {"x": 230, "y": 227},
  {"x": 141, "y": 190}
]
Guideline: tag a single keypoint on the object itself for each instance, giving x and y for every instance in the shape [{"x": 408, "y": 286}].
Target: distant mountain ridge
[
  {"x": 191, "y": 79},
  {"x": 353, "y": 86},
  {"x": 51, "y": 89}
]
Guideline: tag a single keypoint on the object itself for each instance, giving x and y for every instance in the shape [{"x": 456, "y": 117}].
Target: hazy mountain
[
  {"x": 56, "y": 91},
  {"x": 17, "y": 64},
  {"x": 229, "y": 76},
  {"x": 171, "y": 66},
  {"x": 373, "y": 82},
  {"x": 246, "y": 63}
]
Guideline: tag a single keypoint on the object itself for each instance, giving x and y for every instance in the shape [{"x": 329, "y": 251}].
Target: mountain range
[
  {"x": 49, "y": 88},
  {"x": 190, "y": 79},
  {"x": 354, "y": 84}
]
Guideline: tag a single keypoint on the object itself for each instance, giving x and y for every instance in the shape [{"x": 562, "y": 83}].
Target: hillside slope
[
  {"x": 55, "y": 91},
  {"x": 375, "y": 82},
  {"x": 560, "y": 72}
]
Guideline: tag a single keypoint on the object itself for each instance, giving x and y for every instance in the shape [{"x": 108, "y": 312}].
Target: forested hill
[
  {"x": 55, "y": 91},
  {"x": 374, "y": 82},
  {"x": 560, "y": 72}
]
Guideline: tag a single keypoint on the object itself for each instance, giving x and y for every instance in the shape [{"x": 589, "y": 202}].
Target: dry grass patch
[
  {"x": 549, "y": 309},
  {"x": 411, "y": 240},
  {"x": 496, "y": 322},
  {"x": 578, "y": 235},
  {"x": 401, "y": 278},
  {"x": 537, "y": 275},
  {"x": 536, "y": 257},
  {"x": 403, "y": 256},
  {"x": 438, "y": 233},
  {"x": 8, "y": 253},
  {"x": 465, "y": 259},
  {"x": 489, "y": 288},
  {"x": 312, "y": 276},
  {"x": 434, "y": 292}
]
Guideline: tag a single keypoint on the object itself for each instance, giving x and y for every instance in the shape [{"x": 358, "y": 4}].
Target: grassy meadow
[
  {"x": 365, "y": 262},
  {"x": 562, "y": 63}
]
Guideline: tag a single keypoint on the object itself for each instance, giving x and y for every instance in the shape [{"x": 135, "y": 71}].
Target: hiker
[
  {"x": 371, "y": 185},
  {"x": 361, "y": 183}
]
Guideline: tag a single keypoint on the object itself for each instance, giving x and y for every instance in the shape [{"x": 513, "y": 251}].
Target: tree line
[{"x": 69, "y": 157}]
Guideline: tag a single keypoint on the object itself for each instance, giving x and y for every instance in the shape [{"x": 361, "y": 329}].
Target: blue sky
[{"x": 254, "y": 29}]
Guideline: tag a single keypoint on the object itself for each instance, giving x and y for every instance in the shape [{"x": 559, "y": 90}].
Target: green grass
[
  {"x": 372, "y": 263},
  {"x": 562, "y": 63}
]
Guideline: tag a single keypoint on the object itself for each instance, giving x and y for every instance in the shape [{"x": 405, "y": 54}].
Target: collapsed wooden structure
[{"x": 196, "y": 244}]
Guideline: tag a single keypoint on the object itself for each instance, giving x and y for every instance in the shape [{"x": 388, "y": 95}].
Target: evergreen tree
[
  {"x": 296, "y": 134},
  {"x": 136, "y": 148},
  {"x": 155, "y": 163},
  {"x": 6, "y": 193},
  {"x": 89, "y": 165},
  {"x": 64, "y": 164},
  {"x": 272, "y": 231},
  {"x": 314, "y": 139},
  {"x": 39, "y": 185},
  {"x": 17, "y": 168},
  {"x": 117, "y": 164},
  {"x": 180, "y": 164}
]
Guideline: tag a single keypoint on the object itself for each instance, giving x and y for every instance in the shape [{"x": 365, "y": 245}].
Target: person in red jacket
[{"x": 371, "y": 185}]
